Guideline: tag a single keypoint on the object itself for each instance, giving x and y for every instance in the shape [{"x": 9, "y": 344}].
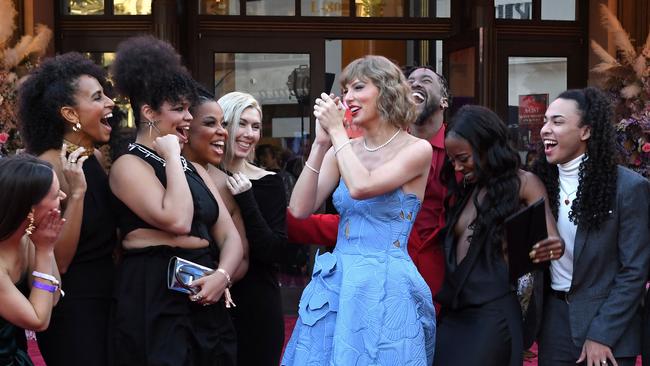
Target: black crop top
[{"x": 206, "y": 209}]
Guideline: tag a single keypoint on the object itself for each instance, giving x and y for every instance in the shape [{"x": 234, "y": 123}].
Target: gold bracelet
[
  {"x": 225, "y": 273},
  {"x": 342, "y": 146},
  {"x": 311, "y": 168}
]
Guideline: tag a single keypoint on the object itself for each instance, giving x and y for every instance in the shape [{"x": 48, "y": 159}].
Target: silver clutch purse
[{"x": 181, "y": 272}]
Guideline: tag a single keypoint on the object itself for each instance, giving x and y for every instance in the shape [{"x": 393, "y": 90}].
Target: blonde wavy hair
[
  {"x": 395, "y": 102},
  {"x": 233, "y": 105}
]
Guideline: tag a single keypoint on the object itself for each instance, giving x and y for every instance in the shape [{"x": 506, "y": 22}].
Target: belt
[{"x": 560, "y": 295}]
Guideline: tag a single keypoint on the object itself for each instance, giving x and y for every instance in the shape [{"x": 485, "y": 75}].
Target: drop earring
[
  {"x": 152, "y": 125},
  {"x": 76, "y": 127},
  {"x": 30, "y": 226}
]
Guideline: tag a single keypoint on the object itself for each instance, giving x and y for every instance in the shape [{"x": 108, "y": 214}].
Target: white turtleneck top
[{"x": 562, "y": 269}]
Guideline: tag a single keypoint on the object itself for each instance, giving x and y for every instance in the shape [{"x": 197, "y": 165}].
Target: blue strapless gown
[{"x": 366, "y": 303}]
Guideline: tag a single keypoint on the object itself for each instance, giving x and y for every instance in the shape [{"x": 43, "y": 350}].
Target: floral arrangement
[
  {"x": 627, "y": 80},
  {"x": 15, "y": 63}
]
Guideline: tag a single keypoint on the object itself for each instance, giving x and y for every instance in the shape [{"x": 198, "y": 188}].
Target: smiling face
[
  {"x": 564, "y": 136},
  {"x": 461, "y": 156},
  {"x": 92, "y": 110},
  {"x": 174, "y": 118},
  {"x": 360, "y": 97},
  {"x": 51, "y": 201},
  {"x": 427, "y": 93},
  {"x": 247, "y": 133},
  {"x": 207, "y": 135}
]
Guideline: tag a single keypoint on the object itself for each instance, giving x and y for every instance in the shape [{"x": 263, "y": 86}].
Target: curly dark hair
[
  {"x": 496, "y": 167},
  {"x": 49, "y": 87},
  {"x": 149, "y": 71},
  {"x": 24, "y": 182},
  {"x": 598, "y": 174}
]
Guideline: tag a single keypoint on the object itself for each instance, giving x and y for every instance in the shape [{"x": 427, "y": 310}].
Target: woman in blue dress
[{"x": 366, "y": 303}]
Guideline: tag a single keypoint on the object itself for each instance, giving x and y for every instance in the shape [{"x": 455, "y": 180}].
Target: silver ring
[
  {"x": 551, "y": 253},
  {"x": 73, "y": 161}
]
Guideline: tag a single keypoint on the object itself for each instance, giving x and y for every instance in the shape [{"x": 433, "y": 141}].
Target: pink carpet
[{"x": 289, "y": 322}]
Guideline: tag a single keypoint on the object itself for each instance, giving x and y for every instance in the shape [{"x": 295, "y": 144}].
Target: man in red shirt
[{"x": 432, "y": 98}]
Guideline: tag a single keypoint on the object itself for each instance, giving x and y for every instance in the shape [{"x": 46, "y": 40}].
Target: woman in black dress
[
  {"x": 62, "y": 103},
  {"x": 29, "y": 197},
  {"x": 258, "y": 316},
  {"x": 167, "y": 207},
  {"x": 480, "y": 322}
]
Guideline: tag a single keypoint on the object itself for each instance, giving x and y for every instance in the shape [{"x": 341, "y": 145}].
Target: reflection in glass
[
  {"x": 271, "y": 7},
  {"x": 219, "y": 7},
  {"x": 379, "y": 8},
  {"x": 513, "y": 9},
  {"x": 132, "y": 7},
  {"x": 281, "y": 84},
  {"x": 462, "y": 77},
  {"x": 532, "y": 83},
  {"x": 443, "y": 8},
  {"x": 419, "y": 9},
  {"x": 263, "y": 75},
  {"x": 325, "y": 8},
  {"x": 558, "y": 10},
  {"x": 83, "y": 7}
]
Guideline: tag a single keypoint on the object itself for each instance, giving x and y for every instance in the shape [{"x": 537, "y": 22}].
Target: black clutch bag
[{"x": 523, "y": 229}]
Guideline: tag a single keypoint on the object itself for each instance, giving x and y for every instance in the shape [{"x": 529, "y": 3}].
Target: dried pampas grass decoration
[
  {"x": 7, "y": 24},
  {"x": 621, "y": 38}
]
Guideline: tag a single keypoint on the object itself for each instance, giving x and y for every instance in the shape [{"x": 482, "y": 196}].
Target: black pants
[{"x": 556, "y": 348}]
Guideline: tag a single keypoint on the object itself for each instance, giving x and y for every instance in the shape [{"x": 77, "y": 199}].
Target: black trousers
[{"x": 556, "y": 348}]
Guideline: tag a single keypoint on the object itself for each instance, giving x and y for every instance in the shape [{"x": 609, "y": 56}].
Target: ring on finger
[
  {"x": 73, "y": 161},
  {"x": 604, "y": 362},
  {"x": 550, "y": 254}
]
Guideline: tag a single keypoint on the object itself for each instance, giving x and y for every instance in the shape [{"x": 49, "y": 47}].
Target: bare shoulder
[
  {"x": 532, "y": 187},
  {"x": 217, "y": 175},
  {"x": 126, "y": 165}
]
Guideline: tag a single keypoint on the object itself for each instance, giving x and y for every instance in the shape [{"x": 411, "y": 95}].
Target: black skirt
[
  {"x": 158, "y": 326},
  {"x": 486, "y": 335}
]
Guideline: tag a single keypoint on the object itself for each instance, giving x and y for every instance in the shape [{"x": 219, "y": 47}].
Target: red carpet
[{"x": 289, "y": 322}]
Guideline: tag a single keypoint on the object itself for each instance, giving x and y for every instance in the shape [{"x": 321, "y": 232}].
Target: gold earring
[
  {"x": 76, "y": 127},
  {"x": 30, "y": 227}
]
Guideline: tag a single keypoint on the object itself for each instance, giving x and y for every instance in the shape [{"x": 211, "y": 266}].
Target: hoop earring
[
  {"x": 30, "y": 227},
  {"x": 76, "y": 127}
]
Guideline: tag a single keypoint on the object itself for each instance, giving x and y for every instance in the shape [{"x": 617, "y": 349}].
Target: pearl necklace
[{"x": 382, "y": 145}]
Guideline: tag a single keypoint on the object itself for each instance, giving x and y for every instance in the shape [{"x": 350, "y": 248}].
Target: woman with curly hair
[
  {"x": 366, "y": 303},
  {"x": 30, "y": 223},
  {"x": 480, "y": 321},
  {"x": 63, "y": 116},
  {"x": 206, "y": 145},
  {"x": 168, "y": 207},
  {"x": 261, "y": 197},
  {"x": 592, "y": 311}
]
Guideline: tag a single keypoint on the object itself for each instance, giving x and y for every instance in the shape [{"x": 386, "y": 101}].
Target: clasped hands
[{"x": 329, "y": 112}]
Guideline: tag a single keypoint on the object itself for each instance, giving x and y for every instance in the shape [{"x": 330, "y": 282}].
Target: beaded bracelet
[{"x": 342, "y": 146}]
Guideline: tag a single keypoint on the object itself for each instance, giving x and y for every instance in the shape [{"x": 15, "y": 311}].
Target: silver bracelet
[
  {"x": 311, "y": 168},
  {"x": 342, "y": 146}
]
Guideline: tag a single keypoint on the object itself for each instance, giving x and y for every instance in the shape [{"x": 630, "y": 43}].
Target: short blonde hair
[
  {"x": 233, "y": 105},
  {"x": 395, "y": 102}
]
